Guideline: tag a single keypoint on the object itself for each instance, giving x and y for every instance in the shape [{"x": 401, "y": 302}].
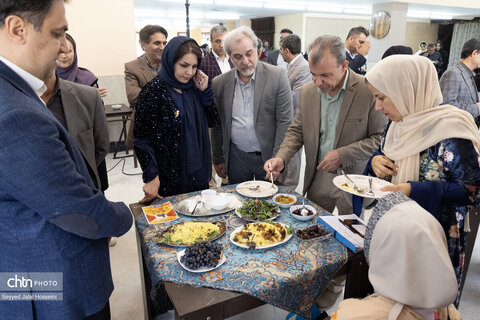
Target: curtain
[{"x": 462, "y": 32}]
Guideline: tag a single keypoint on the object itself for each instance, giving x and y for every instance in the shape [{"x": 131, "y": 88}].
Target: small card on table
[{"x": 160, "y": 213}]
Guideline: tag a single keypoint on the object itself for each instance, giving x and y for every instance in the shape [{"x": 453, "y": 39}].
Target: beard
[{"x": 247, "y": 72}]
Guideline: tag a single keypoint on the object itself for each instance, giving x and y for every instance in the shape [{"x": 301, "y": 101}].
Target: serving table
[{"x": 288, "y": 276}]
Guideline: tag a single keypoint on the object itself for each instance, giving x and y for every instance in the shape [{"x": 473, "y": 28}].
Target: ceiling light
[
  {"x": 325, "y": 9},
  {"x": 284, "y": 6},
  {"x": 358, "y": 11},
  {"x": 191, "y": 1},
  {"x": 223, "y": 16},
  {"x": 239, "y": 3},
  {"x": 441, "y": 17}
]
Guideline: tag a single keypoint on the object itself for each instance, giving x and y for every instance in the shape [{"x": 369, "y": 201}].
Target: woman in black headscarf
[{"x": 172, "y": 116}]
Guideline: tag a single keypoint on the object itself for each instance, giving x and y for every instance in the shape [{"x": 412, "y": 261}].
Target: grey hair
[
  {"x": 259, "y": 44},
  {"x": 218, "y": 29},
  {"x": 332, "y": 43},
  {"x": 237, "y": 35}
]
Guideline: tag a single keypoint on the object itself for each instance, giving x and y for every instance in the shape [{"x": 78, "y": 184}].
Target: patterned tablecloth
[{"x": 288, "y": 276}]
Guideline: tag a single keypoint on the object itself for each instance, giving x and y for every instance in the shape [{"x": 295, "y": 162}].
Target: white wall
[
  {"x": 104, "y": 32},
  {"x": 339, "y": 26},
  {"x": 293, "y": 22},
  {"x": 420, "y": 31}
]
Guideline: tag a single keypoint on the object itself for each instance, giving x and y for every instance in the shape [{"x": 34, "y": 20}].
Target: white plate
[
  {"x": 232, "y": 235},
  {"x": 362, "y": 182},
  {"x": 116, "y": 106},
  {"x": 253, "y": 220},
  {"x": 264, "y": 189},
  {"x": 201, "y": 269}
]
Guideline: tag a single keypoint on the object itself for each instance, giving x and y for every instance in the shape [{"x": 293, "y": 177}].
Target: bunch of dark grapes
[{"x": 204, "y": 254}]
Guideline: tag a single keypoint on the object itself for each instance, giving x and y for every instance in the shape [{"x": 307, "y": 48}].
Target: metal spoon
[
  {"x": 194, "y": 208},
  {"x": 354, "y": 185}
]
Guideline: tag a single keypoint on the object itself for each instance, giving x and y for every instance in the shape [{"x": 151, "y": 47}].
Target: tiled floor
[{"x": 126, "y": 301}]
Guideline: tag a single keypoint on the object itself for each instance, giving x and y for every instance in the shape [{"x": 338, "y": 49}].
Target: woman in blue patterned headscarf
[{"x": 171, "y": 124}]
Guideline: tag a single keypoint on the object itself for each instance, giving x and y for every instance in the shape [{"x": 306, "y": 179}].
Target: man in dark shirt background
[{"x": 357, "y": 47}]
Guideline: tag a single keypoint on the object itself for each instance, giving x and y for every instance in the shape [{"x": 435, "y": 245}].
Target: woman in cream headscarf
[
  {"x": 430, "y": 150},
  {"x": 409, "y": 266}
]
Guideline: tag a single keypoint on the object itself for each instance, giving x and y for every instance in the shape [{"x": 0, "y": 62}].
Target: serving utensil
[
  {"x": 354, "y": 185},
  {"x": 194, "y": 208},
  {"x": 271, "y": 174}
]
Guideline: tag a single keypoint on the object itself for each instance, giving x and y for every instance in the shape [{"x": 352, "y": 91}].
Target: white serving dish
[
  {"x": 303, "y": 218},
  {"x": 284, "y": 205},
  {"x": 217, "y": 201}
]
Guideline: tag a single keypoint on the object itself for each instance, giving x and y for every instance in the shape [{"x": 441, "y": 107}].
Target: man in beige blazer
[
  {"x": 139, "y": 72},
  {"x": 336, "y": 122},
  {"x": 255, "y": 107}
]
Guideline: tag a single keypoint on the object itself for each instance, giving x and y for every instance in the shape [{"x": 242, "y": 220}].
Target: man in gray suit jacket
[
  {"x": 139, "y": 72},
  {"x": 458, "y": 85},
  {"x": 79, "y": 109},
  {"x": 255, "y": 108},
  {"x": 338, "y": 125},
  {"x": 298, "y": 74}
]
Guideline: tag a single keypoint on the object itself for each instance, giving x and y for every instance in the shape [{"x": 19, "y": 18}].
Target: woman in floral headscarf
[{"x": 430, "y": 151}]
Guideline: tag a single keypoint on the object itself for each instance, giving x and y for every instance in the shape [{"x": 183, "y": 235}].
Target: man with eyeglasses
[
  {"x": 217, "y": 61},
  {"x": 275, "y": 57},
  {"x": 139, "y": 72}
]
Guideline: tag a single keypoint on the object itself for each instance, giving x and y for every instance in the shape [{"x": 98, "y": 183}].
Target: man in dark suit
[
  {"x": 357, "y": 47},
  {"x": 274, "y": 57},
  {"x": 213, "y": 64},
  {"x": 254, "y": 103},
  {"x": 54, "y": 220},
  {"x": 458, "y": 84},
  {"x": 217, "y": 61},
  {"x": 80, "y": 110},
  {"x": 139, "y": 72},
  {"x": 435, "y": 57}
]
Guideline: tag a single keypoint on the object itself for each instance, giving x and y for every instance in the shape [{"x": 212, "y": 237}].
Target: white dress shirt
[
  {"x": 223, "y": 64},
  {"x": 36, "y": 84}
]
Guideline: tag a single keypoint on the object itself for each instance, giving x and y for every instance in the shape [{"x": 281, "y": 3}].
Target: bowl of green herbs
[{"x": 258, "y": 210}]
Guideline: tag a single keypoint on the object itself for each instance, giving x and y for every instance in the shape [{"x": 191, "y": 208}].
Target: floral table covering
[{"x": 288, "y": 276}]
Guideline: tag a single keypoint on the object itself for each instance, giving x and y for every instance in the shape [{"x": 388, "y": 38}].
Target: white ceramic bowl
[
  {"x": 217, "y": 202},
  {"x": 284, "y": 205},
  {"x": 303, "y": 218}
]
